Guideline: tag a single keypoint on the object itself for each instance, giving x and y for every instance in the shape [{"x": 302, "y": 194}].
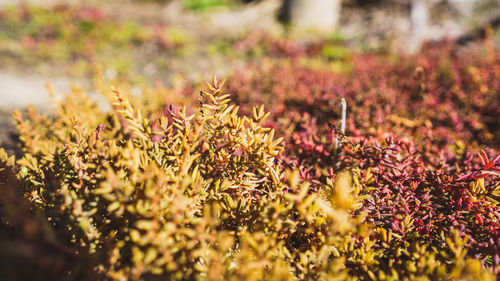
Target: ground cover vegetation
[
  {"x": 79, "y": 40},
  {"x": 158, "y": 189},
  {"x": 175, "y": 184}
]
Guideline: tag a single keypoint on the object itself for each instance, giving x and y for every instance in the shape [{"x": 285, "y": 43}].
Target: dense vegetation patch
[
  {"x": 163, "y": 188},
  {"x": 78, "y": 38}
]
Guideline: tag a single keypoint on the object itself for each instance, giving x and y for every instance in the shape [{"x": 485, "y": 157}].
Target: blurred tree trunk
[
  {"x": 311, "y": 15},
  {"x": 419, "y": 17}
]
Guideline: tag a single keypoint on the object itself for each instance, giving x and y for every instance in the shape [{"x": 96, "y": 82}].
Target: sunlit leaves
[{"x": 160, "y": 192}]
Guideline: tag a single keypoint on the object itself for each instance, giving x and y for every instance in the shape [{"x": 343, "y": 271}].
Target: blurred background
[{"x": 70, "y": 43}]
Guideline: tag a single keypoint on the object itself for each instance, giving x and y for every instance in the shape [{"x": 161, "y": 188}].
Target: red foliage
[{"x": 411, "y": 123}]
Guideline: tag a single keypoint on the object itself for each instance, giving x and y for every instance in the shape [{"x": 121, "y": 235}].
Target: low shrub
[
  {"x": 261, "y": 44},
  {"x": 152, "y": 190},
  {"x": 439, "y": 97},
  {"x": 78, "y": 38}
]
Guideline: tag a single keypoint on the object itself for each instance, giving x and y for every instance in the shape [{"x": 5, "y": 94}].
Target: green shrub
[{"x": 198, "y": 5}]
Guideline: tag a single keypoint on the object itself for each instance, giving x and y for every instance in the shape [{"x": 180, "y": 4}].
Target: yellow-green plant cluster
[{"x": 196, "y": 194}]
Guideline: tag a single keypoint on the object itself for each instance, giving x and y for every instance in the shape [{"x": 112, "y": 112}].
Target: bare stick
[
  {"x": 344, "y": 115},
  {"x": 342, "y": 122}
]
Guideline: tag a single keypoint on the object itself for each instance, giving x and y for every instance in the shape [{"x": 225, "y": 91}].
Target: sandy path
[{"x": 17, "y": 91}]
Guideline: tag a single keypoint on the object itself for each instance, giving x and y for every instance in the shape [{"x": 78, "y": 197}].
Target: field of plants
[{"x": 309, "y": 161}]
